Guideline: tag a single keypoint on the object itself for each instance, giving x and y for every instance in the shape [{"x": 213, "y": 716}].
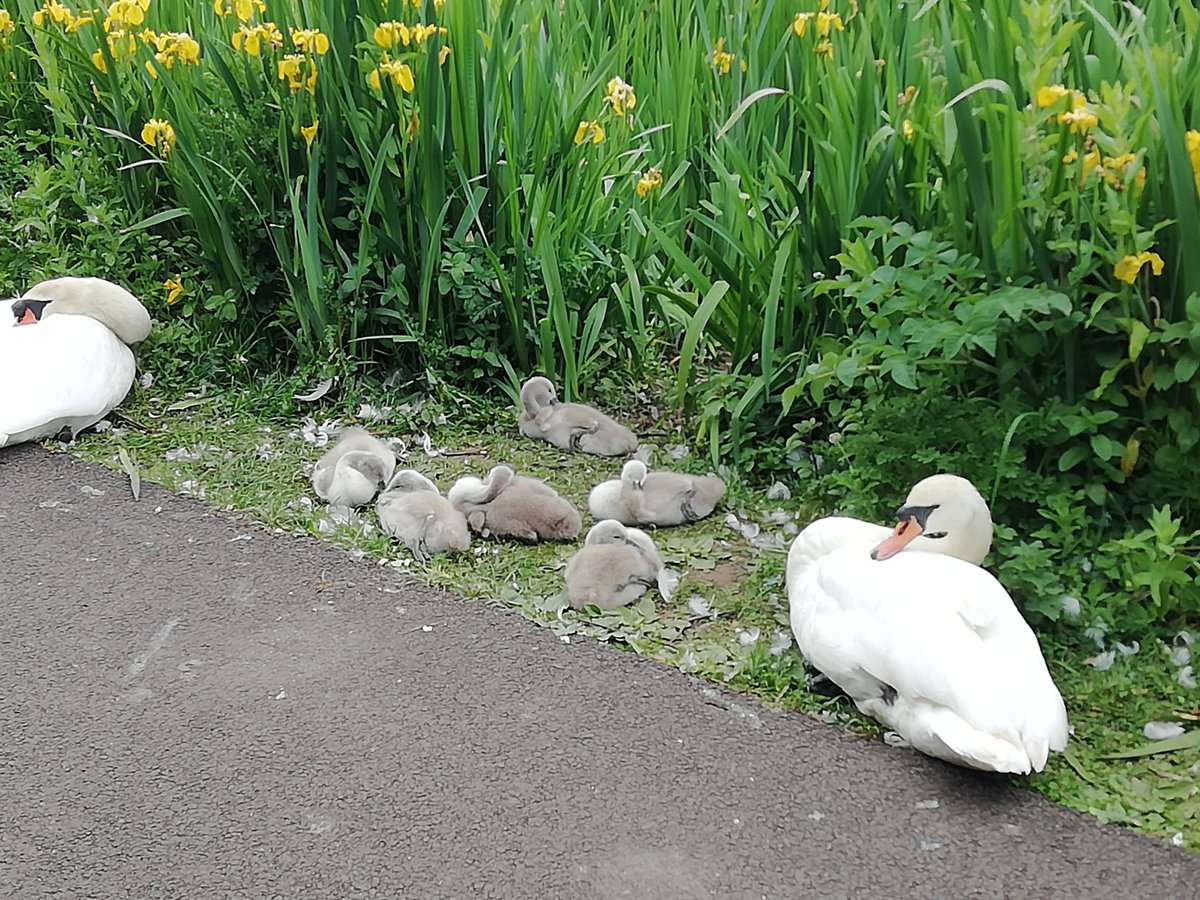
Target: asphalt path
[{"x": 191, "y": 707}]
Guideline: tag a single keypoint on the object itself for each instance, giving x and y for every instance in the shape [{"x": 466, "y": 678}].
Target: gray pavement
[{"x": 193, "y": 708}]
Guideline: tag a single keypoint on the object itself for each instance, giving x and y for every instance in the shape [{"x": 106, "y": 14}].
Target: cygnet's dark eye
[{"x": 935, "y": 535}]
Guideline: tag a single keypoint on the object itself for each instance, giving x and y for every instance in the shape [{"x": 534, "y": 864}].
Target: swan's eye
[{"x": 936, "y": 534}]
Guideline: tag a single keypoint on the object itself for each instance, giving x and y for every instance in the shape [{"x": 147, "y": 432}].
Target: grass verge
[{"x": 250, "y": 450}]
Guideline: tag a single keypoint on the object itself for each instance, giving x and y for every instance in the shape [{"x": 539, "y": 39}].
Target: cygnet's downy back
[
  {"x": 507, "y": 505},
  {"x": 614, "y": 567},
  {"x": 641, "y": 497},
  {"x": 413, "y": 510},
  {"x": 354, "y": 470},
  {"x": 570, "y": 426}
]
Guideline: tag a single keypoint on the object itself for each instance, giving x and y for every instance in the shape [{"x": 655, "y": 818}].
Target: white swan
[
  {"x": 64, "y": 356},
  {"x": 570, "y": 426},
  {"x": 922, "y": 638}
]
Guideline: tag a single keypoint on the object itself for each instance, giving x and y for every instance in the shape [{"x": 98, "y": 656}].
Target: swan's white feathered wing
[
  {"x": 932, "y": 646},
  {"x": 68, "y": 370}
]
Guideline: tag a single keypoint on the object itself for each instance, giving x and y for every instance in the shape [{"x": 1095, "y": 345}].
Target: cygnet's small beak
[
  {"x": 28, "y": 318},
  {"x": 906, "y": 532}
]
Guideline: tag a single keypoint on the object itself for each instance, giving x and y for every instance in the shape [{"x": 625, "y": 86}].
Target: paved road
[{"x": 193, "y": 708}]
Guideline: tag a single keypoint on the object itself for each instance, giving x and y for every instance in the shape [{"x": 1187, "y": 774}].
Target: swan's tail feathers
[{"x": 979, "y": 750}]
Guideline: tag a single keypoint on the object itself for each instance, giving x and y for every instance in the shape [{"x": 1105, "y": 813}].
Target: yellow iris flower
[
  {"x": 620, "y": 95},
  {"x": 309, "y": 132},
  {"x": 1192, "y": 139},
  {"x": 1129, "y": 266},
  {"x": 125, "y": 14},
  {"x": 252, "y": 39},
  {"x": 159, "y": 134},
  {"x": 175, "y": 289},
  {"x": 589, "y": 131},
  {"x": 721, "y": 59},
  {"x": 650, "y": 180},
  {"x": 243, "y": 9},
  {"x": 399, "y": 72},
  {"x": 310, "y": 40}
]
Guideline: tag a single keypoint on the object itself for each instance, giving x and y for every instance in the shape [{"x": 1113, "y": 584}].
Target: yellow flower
[
  {"x": 620, "y": 95},
  {"x": 310, "y": 40},
  {"x": 651, "y": 179},
  {"x": 722, "y": 60},
  {"x": 243, "y": 9},
  {"x": 389, "y": 34},
  {"x": 98, "y": 61},
  {"x": 1070, "y": 156},
  {"x": 309, "y": 133},
  {"x": 907, "y": 130},
  {"x": 175, "y": 289},
  {"x": 1129, "y": 266},
  {"x": 827, "y": 22},
  {"x": 7, "y": 26},
  {"x": 399, "y": 72},
  {"x": 589, "y": 131},
  {"x": 800, "y": 23},
  {"x": 1193, "y": 150},
  {"x": 252, "y": 39},
  {"x": 1051, "y": 94},
  {"x": 173, "y": 46},
  {"x": 123, "y": 14},
  {"x": 443, "y": 54},
  {"x": 56, "y": 13},
  {"x": 907, "y": 97},
  {"x": 1081, "y": 119},
  {"x": 824, "y": 48},
  {"x": 159, "y": 134},
  {"x": 414, "y": 125},
  {"x": 437, "y": 4}
]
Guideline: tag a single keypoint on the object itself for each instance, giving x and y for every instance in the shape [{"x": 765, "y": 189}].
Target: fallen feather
[
  {"x": 102, "y": 426},
  {"x": 926, "y": 804},
  {"x": 779, "y": 491},
  {"x": 816, "y": 816},
  {"x": 678, "y": 452},
  {"x": 316, "y": 393},
  {"x": 147, "y": 380},
  {"x": 1096, "y": 632},
  {"x": 892, "y": 739},
  {"x": 1181, "y": 655},
  {"x": 781, "y": 642},
  {"x": 427, "y": 628},
  {"x": 930, "y": 845},
  {"x": 1070, "y": 606},
  {"x": 699, "y": 606},
  {"x": 282, "y": 695},
  {"x": 1102, "y": 661},
  {"x": 1177, "y": 839},
  {"x": 748, "y": 636},
  {"x": 668, "y": 580},
  {"x": 1128, "y": 649},
  {"x": 1160, "y": 731},
  {"x": 91, "y": 491},
  {"x": 1186, "y": 678}
]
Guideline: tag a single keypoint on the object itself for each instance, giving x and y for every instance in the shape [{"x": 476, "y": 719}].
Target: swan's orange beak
[
  {"x": 906, "y": 531},
  {"x": 28, "y": 318}
]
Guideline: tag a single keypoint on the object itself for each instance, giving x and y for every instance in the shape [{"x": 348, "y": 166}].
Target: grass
[{"x": 246, "y": 450}]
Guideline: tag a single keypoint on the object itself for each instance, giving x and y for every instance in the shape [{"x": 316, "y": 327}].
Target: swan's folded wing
[{"x": 938, "y": 629}]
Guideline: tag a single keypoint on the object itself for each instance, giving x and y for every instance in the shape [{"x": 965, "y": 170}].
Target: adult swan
[
  {"x": 64, "y": 359},
  {"x": 921, "y": 637}
]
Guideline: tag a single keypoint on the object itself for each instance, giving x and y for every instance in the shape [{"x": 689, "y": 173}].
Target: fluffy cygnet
[
  {"x": 507, "y": 505},
  {"x": 641, "y": 497},
  {"x": 615, "y": 566},
  {"x": 413, "y": 510},
  {"x": 570, "y": 426},
  {"x": 354, "y": 469}
]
